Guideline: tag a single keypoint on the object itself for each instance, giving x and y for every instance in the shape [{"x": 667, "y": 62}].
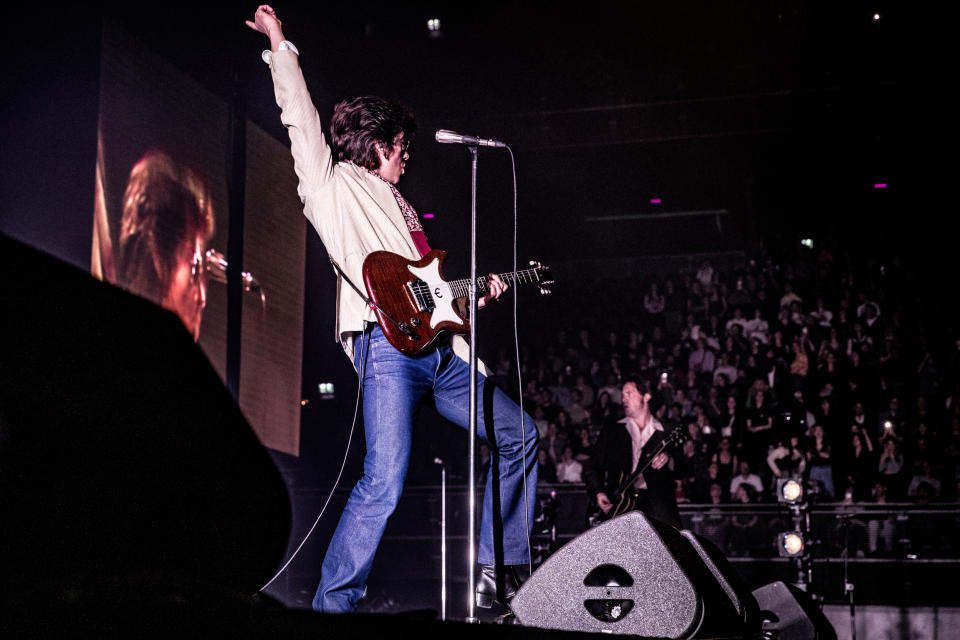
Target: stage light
[
  {"x": 790, "y": 544},
  {"x": 789, "y": 491}
]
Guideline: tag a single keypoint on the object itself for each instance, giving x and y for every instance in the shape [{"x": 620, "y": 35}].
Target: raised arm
[{"x": 312, "y": 156}]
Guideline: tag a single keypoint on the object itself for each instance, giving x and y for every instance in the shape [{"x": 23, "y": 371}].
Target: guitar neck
[
  {"x": 641, "y": 468},
  {"x": 461, "y": 288}
]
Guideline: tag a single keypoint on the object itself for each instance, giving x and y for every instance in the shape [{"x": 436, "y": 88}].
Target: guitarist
[
  {"x": 623, "y": 446},
  {"x": 348, "y": 188}
]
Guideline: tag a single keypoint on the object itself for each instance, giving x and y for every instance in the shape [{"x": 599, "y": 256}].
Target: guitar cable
[
  {"x": 365, "y": 345},
  {"x": 364, "y": 349},
  {"x": 516, "y": 347}
]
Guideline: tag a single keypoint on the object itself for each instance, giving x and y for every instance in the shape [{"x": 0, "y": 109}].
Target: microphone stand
[
  {"x": 443, "y": 537},
  {"x": 472, "y": 430},
  {"x": 847, "y": 585}
]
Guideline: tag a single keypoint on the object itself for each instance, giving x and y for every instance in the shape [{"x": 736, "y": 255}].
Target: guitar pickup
[{"x": 417, "y": 295}]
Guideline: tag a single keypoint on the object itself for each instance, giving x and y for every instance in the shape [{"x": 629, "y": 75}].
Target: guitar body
[
  {"x": 413, "y": 295},
  {"x": 622, "y": 503}
]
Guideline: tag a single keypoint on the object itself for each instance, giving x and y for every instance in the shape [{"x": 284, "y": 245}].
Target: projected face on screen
[{"x": 167, "y": 220}]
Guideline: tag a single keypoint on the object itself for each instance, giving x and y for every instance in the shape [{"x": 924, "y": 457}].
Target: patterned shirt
[{"x": 409, "y": 215}]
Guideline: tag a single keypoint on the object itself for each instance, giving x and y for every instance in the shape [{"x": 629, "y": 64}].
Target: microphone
[
  {"x": 445, "y": 136},
  {"x": 215, "y": 264}
]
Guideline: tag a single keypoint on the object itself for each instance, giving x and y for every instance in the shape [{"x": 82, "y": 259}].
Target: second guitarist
[{"x": 620, "y": 447}]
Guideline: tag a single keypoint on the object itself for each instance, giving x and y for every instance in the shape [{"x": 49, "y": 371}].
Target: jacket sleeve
[
  {"x": 594, "y": 471},
  {"x": 312, "y": 155}
]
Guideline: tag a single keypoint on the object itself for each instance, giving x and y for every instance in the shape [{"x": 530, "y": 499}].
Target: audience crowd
[{"x": 815, "y": 367}]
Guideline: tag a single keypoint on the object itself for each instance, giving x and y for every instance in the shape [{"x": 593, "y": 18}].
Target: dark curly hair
[{"x": 358, "y": 124}]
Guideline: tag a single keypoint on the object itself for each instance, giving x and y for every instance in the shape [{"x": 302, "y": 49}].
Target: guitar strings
[{"x": 460, "y": 287}]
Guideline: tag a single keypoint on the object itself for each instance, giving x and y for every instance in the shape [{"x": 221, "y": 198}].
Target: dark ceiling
[{"x": 782, "y": 115}]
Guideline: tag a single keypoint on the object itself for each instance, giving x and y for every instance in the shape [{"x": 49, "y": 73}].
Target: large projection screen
[{"x": 161, "y": 225}]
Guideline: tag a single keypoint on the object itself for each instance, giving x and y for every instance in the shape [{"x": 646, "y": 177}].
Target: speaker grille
[{"x": 661, "y": 601}]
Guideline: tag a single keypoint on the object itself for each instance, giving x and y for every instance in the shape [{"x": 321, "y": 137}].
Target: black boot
[{"x": 488, "y": 590}]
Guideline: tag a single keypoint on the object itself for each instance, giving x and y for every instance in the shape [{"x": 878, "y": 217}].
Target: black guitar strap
[
  {"x": 403, "y": 326},
  {"x": 651, "y": 445}
]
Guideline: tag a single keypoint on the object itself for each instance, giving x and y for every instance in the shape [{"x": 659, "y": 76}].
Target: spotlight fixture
[
  {"x": 790, "y": 544},
  {"x": 789, "y": 491}
]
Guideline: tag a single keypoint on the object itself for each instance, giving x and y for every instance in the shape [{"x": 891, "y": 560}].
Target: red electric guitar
[{"x": 413, "y": 302}]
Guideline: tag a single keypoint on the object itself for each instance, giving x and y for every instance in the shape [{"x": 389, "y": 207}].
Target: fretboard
[{"x": 461, "y": 288}]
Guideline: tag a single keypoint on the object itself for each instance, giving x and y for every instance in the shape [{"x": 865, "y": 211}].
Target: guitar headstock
[
  {"x": 676, "y": 436},
  {"x": 544, "y": 276}
]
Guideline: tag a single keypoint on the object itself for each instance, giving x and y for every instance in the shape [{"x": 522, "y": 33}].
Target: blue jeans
[{"x": 394, "y": 385}]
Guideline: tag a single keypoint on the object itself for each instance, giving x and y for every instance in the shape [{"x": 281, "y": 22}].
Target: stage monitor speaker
[
  {"x": 631, "y": 575},
  {"x": 730, "y": 581},
  {"x": 122, "y": 454},
  {"x": 792, "y": 614}
]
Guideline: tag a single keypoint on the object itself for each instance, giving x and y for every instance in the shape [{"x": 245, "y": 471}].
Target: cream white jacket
[{"x": 354, "y": 212}]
